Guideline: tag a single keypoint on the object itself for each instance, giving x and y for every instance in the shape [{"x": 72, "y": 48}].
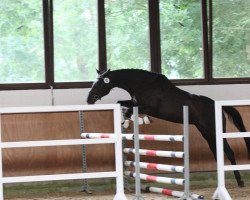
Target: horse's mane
[
  {"x": 147, "y": 75},
  {"x": 140, "y": 71}
]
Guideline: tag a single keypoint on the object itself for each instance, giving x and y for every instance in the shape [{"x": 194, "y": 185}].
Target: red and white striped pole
[
  {"x": 145, "y": 152},
  {"x": 169, "y": 192},
  {"x": 155, "y": 166},
  {"x": 158, "y": 179},
  {"x": 129, "y": 136}
]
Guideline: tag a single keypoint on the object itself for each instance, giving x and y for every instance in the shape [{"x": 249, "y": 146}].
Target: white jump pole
[
  {"x": 138, "y": 195},
  {"x": 130, "y": 136},
  {"x": 186, "y": 150},
  {"x": 118, "y": 156},
  {"x": 155, "y": 166},
  {"x": 145, "y": 152}
]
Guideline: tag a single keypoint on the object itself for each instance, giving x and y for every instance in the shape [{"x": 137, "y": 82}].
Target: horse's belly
[{"x": 176, "y": 117}]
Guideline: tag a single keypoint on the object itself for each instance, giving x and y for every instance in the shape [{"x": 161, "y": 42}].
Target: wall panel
[{"x": 68, "y": 159}]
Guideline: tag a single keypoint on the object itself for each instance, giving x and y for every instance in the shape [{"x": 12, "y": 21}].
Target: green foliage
[
  {"x": 21, "y": 41},
  {"x": 181, "y": 39},
  {"x": 231, "y": 40},
  {"x": 127, "y": 34},
  {"x": 75, "y": 40}
]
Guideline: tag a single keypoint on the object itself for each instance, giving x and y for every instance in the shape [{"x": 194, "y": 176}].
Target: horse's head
[{"x": 100, "y": 87}]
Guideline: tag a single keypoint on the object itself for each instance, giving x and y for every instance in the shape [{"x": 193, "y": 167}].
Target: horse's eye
[{"x": 106, "y": 80}]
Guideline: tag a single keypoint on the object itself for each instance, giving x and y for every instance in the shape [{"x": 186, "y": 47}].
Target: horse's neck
[
  {"x": 128, "y": 84},
  {"x": 125, "y": 86},
  {"x": 132, "y": 82}
]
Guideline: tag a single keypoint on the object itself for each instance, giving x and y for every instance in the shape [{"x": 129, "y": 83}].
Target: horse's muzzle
[{"x": 92, "y": 99}]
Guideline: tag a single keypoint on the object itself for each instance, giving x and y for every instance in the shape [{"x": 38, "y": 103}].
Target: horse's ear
[
  {"x": 102, "y": 72},
  {"x": 98, "y": 72}
]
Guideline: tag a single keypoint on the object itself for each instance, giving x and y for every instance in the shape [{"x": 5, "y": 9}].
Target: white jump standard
[
  {"x": 117, "y": 141},
  {"x": 221, "y": 191}
]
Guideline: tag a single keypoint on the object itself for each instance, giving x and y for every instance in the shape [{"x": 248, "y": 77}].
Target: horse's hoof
[
  {"x": 125, "y": 124},
  {"x": 140, "y": 120},
  {"x": 146, "y": 120},
  {"x": 241, "y": 184}
]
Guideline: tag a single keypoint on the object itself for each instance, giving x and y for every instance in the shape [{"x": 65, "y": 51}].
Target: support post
[
  {"x": 1, "y": 160},
  {"x": 126, "y": 178},
  {"x": 187, "y": 195},
  {"x": 137, "y": 156},
  {"x": 221, "y": 191},
  {"x": 84, "y": 161},
  {"x": 118, "y": 156},
  {"x": 186, "y": 150}
]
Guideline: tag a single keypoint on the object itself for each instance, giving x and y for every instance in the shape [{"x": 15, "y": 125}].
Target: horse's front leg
[
  {"x": 147, "y": 110},
  {"x": 126, "y": 103},
  {"x": 128, "y": 110},
  {"x": 128, "y": 113},
  {"x": 144, "y": 110}
]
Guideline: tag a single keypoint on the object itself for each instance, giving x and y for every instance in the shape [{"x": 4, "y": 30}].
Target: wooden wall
[{"x": 68, "y": 159}]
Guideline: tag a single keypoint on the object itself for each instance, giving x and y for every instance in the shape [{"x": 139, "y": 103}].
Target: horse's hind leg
[
  {"x": 211, "y": 140},
  {"x": 247, "y": 141},
  {"x": 230, "y": 155}
]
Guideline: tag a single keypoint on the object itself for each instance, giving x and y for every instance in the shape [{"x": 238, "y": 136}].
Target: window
[
  {"x": 181, "y": 39},
  {"x": 75, "y": 40},
  {"x": 46, "y": 43},
  {"x": 21, "y": 42},
  {"x": 231, "y": 38},
  {"x": 127, "y": 34}
]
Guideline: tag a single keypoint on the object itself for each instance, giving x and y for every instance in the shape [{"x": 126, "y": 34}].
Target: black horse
[{"x": 156, "y": 96}]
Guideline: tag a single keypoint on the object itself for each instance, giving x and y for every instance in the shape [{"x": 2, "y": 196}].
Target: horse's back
[
  {"x": 201, "y": 108},
  {"x": 167, "y": 101}
]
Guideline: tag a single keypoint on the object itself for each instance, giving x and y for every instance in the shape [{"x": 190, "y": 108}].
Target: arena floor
[
  {"x": 202, "y": 184},
  {"x": 236, "y": 193}
]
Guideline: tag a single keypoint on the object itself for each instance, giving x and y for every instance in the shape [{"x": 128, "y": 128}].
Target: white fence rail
[
  {"x": 221, "y": 191},
  {"x": 117, "y": 141}
]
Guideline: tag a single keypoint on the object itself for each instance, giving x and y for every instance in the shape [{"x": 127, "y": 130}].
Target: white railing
[
  {"x": 117, "y": 141},
  {"x": 221, "y": 191}
]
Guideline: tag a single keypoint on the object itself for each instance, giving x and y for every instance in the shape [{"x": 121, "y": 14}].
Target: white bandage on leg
[
  {"x": 146, "y": 120},
  {"x": 126, "y": 123},
  {"x": 140, "y": 120}
]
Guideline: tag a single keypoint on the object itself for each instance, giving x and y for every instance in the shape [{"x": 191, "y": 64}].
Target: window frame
[{"x": 155, "y": 49}]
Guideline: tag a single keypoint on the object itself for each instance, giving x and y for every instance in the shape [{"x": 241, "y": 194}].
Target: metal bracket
[{"x": 84, "y": 161}]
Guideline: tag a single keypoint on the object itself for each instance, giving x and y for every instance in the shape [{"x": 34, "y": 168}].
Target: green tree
[
  {"x": 181, "y": 39},
  {"x": 75, "y": 40},
  {"x": 127, "y": 34},
  {"x": 21, "y": 41},
  {"x": 231, "y": 38}
]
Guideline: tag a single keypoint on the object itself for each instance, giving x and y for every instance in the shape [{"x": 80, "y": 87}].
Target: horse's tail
[{"x": 236, "y": 118}]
